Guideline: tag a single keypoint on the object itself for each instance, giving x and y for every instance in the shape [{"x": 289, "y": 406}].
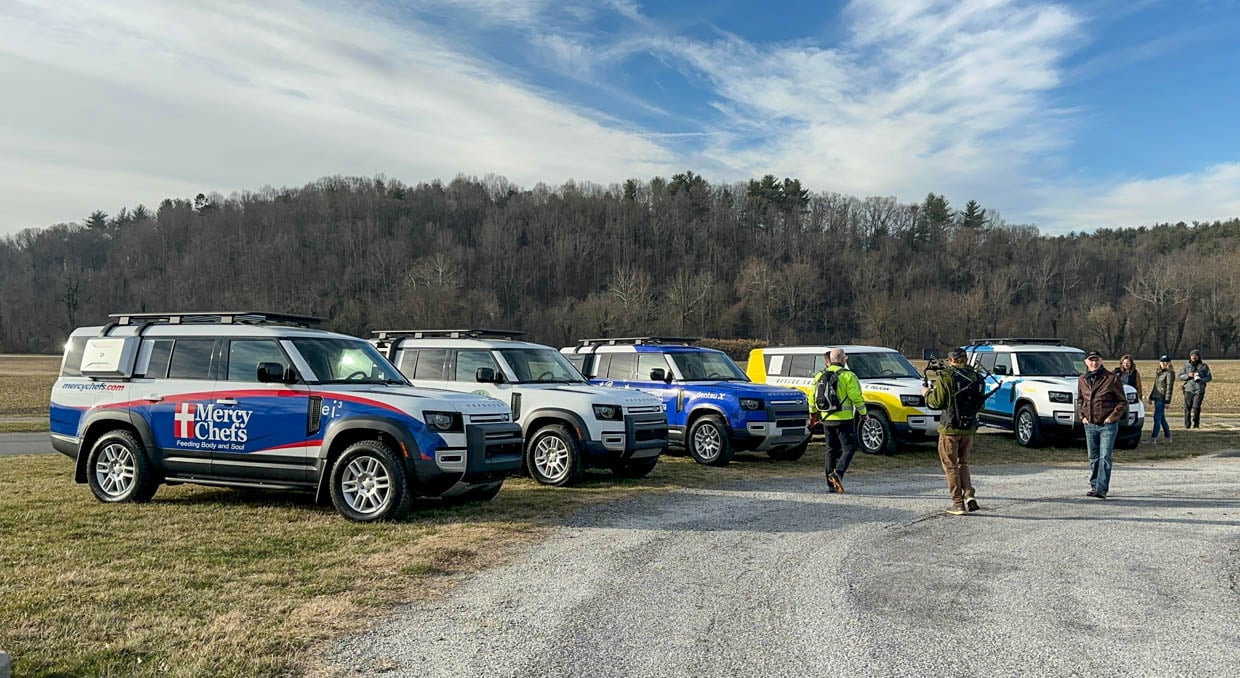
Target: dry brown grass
[{"x": 210, "y": 581}]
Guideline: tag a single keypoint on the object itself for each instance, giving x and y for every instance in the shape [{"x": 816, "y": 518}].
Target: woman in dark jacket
[
  {"x": 1128, "y": 374},
  {"x": 1160, "y": 396}
]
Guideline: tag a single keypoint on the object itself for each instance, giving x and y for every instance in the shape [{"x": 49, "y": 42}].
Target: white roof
[
  {"x": 448, "y": 342},
  {"x": 848, "y": 348}
]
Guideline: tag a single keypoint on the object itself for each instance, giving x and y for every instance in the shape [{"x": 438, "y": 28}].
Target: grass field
[
  {"x": 225, "y": 582},
  {"x": 209, "y": 581}
]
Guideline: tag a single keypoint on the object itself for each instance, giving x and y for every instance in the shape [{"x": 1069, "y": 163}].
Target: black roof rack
[
  {"x": 1044, "y": 341},
  {"x": 448, "y": 334},
  {"x": 612, "y": 341},
  {"x": 216, "y": 318}
]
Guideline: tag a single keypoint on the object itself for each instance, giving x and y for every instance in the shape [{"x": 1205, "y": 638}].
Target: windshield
[
  {"x": 706, "y": 366},
  {"x": 881, "y": 365},
  {"x": 541, "y": 366},
  {"x": 1051, "y": 364},
  {"x": 352, "y": 361}
]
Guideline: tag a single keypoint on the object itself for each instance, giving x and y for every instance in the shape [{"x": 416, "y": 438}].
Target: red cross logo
[{"x": 185, "y": 420}]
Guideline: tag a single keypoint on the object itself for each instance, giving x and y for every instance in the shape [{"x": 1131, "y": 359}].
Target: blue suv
[{"x": 713, "y": 410}]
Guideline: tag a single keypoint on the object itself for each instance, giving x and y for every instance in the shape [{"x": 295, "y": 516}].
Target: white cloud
[
  {"x": 146, "y": 97},
  {"x": 1208, "y": 195}
]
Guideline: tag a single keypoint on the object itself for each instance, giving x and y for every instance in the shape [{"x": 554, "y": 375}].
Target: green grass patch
[
  {"x": 23, "y": 426},
  {"x": 232, "y": 582},
  {"x": 25, "y": 395}
]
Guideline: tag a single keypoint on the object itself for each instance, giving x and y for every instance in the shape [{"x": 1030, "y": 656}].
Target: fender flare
[
  {"x": 143, "y": 428},
  {"x": 568, "y": 416},
  {"x": 373, "y": 424}
]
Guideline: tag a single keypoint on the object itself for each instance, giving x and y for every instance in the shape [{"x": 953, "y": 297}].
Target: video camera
[{"x": 934, "y": 363}]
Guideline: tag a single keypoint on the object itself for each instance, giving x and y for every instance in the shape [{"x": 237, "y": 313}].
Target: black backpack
[
  {"x": 827, "y": 397},
  {"x": 968, "y": 396}
]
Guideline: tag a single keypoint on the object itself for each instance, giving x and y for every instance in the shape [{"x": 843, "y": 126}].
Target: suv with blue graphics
[
  {"x": 713, "y": 409},
  {"x": 247, "y": 399},
  {"x": 569, "y": 425},
  {"x": 1033, "y": 383}
]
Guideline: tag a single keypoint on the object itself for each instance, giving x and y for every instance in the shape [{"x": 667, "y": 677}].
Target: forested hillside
[{"x": 766, "y": 259}]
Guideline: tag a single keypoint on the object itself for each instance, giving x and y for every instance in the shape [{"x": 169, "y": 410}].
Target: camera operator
[
  {"x": 1195, "y": 375},
  {"x": 958, "y": 392}
]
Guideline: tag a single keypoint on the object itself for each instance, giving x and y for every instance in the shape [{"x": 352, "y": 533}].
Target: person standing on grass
[
  {"x": 1100, "y": 403},
  {"x": 1195, "y": 375},
  {"x": 1160, "y": 396},
  {"x": 959, "y": 392},
  {"x": 840, "y": 426},
  {"x": 1128, "y": 374}
]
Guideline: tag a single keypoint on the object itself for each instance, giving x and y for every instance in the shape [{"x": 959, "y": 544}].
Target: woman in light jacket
[{"x": 1160, "y": 396}]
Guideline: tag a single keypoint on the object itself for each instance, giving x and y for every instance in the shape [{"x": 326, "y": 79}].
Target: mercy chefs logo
[{"x": 196, "y": 421}]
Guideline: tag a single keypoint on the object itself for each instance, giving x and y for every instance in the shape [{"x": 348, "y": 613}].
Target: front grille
[
  {"x": 646, "y": 409},
  {"x": 498, "y": 417}
]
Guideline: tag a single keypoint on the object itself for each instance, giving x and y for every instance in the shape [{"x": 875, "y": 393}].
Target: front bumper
[
  {"x": 492, "y": 451},
  {"x": 785, "y": 426},
  {"x": 644, "y": 436},
  {"x": 1063, "y": 423}
]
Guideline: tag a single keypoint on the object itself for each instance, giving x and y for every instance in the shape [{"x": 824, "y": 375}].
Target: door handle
[
  {"x": 226, "y": 401},
  {"x": 151, "y": 397}
]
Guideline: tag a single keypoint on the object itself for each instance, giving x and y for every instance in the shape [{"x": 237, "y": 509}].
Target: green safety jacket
[{"x": 850, "y": 393}]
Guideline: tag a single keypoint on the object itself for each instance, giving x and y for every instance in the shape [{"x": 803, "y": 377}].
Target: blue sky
[{"x": 1067, "y": 115}]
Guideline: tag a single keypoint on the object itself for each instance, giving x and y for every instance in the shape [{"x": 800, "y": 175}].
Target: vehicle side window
[
  {"x": 1004, "y": 360},
  {"x": 802, "y": 366},
  {"x": 408, "y": 361},
  {"x": 191, "y": 359},
  {"x": 244, "y": 355},
  {"x": 649, "y": 361},
  {"x": 986, "y": 361},
  {"x": 72, "y": 364},
  {"x": 578, "y": 361},
  {"x": 157, "y": 365},
  {"x": 431, "y": 364},
  {"x": 468, "y": 362},
  {"x": 623, "y": 366}
]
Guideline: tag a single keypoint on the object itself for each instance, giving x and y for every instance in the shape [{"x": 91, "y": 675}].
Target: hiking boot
[
  {"x": 956, "y": 510},
  {"x": 1091, "y": 493},
  {"x": 1100, "y": 495},
  {"x": 970, "y": 504},
  {"x": 836, "y": 485}
]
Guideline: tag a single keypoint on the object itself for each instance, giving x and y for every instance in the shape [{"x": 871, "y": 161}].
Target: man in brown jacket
[{"x": 1100, "y": 403}]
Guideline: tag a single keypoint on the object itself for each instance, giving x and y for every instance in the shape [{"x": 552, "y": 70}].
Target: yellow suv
[{"x": 891, "y": 386}]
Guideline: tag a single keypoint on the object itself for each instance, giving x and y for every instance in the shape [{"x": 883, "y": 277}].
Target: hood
[
  {"x": 747, "y": 389},
  {"x": 422, "y": 397},
  {"x": 605, "y": 394}
]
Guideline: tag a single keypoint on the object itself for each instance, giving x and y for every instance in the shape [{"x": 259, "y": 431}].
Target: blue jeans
[
  {"x": 1160, "y": 419},
  {"x": 1100, "y": 440}
]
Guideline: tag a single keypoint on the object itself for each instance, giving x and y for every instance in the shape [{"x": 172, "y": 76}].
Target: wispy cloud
[
  {"x": 233, "y": 95},
  {"x": 1210, "y": 194}
]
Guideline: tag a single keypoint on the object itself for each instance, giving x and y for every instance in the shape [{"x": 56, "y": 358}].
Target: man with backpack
[
  {"x": 959, "y": 393},
  {"x": 836, "y": 399}
]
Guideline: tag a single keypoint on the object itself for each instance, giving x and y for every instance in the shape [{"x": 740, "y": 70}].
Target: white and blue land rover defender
[
  {"x": 247, "y": 399},
  {"x": 1033, "y": 383}
]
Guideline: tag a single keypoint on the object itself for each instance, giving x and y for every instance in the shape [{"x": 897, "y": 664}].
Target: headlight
[
  {"x": 751, "y": 404},
  {"x": 1060, "y": 396},
  {"x": 444, "y": 422},
  {"x": 912, "y": 400},
  {"x": 607, "y": 412}
]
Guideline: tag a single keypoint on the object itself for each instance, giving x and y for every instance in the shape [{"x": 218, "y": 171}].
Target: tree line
[{"x": 763, "y": 259}]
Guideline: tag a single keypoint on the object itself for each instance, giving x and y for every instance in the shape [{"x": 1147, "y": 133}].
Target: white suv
[
  {"x": 247, "y": 399},
  {"x": 569, "y": 425},
  {"x": 1034, "y": 384}
]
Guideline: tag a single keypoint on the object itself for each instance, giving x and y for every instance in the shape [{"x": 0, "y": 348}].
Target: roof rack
[
  {"x": 449, "y": 334},
  {"x": 613, "y": 341},
  {"x": 1045, "y": 341},
  {"x": 216, "y": 318}
]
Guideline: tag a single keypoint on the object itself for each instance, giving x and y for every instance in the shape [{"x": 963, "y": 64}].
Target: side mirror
[
  {"x": 485, "y": 375},
  {"x": 658, "y": 374},
  {"x": 1000, "y": 371},
  {"x": 930, "y": 354},
  {"x": 274, "y": 373}
]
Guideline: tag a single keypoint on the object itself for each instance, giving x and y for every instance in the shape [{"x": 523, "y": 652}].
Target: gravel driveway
[{"x": 781, "y": 578}]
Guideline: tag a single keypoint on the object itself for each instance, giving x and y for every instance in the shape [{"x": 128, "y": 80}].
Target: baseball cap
[
  {"x": 1092, "y": 354},
  {"x": 1165, "y": 359},
  {"x": 1195, "y": 352}
]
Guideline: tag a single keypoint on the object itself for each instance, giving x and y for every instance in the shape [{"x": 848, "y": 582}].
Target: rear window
[{"x": 71, "y": 366}]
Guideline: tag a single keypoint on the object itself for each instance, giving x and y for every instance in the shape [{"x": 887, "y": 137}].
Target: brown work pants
[{"x": 954, "y": 452}]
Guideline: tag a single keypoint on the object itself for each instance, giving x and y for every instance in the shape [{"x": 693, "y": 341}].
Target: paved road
[
  {"x": 25, "y": 443},
  {"x": 780, "y": 578}
]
